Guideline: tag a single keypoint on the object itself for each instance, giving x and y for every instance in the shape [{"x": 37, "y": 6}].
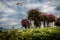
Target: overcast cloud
[{"x": 11, "y": 14}]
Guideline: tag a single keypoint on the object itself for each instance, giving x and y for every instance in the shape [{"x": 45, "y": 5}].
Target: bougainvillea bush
[{"x": 31, "y": 34}]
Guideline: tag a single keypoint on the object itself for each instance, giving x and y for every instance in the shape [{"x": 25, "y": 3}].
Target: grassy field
[{"x": 31, "y": 34}]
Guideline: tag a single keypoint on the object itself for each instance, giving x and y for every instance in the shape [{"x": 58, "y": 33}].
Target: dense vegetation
[
  {"x": 31, "y": 34},
  {"x": 57, "y": 23}
]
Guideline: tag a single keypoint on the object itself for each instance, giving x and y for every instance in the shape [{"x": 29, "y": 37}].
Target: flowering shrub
[{"x": 31, "y": 34}]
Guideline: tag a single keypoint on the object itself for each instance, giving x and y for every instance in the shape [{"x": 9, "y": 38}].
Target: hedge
[{"x": 31, "y": 34}]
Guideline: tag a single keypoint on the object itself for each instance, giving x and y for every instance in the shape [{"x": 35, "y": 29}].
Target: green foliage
[{"x": 31, "y": 34}]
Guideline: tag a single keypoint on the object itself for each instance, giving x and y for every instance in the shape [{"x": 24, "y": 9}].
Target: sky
[{"x": 12, "y": 14}]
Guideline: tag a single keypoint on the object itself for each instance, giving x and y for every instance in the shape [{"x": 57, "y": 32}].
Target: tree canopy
[{"x": 38, "y": 16}]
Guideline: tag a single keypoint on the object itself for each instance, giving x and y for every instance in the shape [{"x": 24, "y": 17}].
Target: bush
[
  {"x": 31, "y": 34},
  {"x": 57, "y": 23}
]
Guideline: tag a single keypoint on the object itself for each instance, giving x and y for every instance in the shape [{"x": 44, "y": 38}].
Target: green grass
[{"x": 31, "y": 34}]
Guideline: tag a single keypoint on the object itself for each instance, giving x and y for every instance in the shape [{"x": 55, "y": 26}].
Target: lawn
[{"x": 31, "y": 34}]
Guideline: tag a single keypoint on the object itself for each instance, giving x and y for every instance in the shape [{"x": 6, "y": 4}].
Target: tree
[
  {"x": 44, "y": 18},
  {"x": 57, "y": 23},
  {"x": 34, "y": 15},
  {"x": 38, "y": 16},
  {"x": 48, "y": 18},
  {"x": 52, "y": 18}
]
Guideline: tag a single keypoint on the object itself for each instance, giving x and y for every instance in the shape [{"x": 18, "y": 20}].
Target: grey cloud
[{"x": 58, "y": 8}]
